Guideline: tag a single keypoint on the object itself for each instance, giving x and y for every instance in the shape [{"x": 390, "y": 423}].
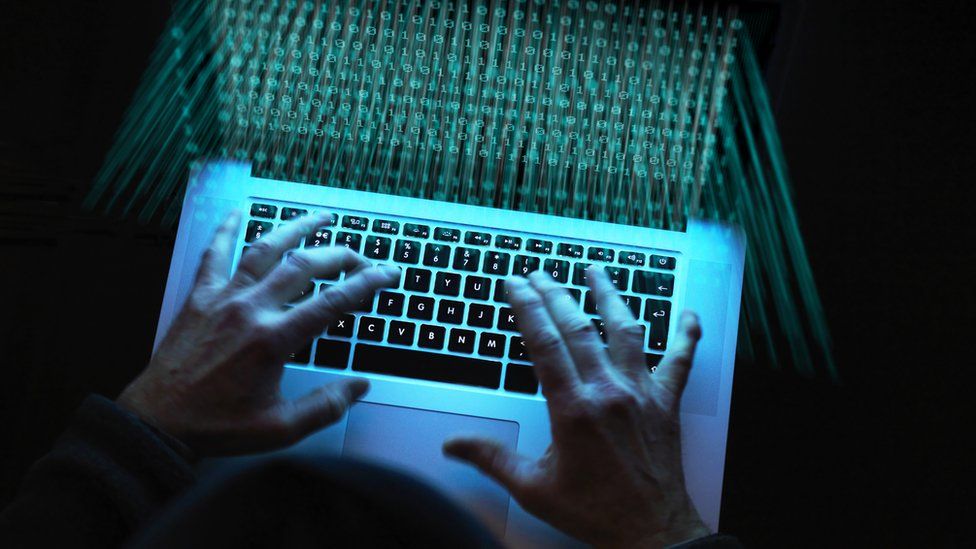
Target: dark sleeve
[
  {"x": 714, "y": 541},
  {"x": 104, "y": 477}
]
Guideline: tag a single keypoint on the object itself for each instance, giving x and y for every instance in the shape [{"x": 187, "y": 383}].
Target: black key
[
  {"x": 477, "y": 287},
  {"x": 557, "y": 269},
  {"x": 519, "y": 350},
  {"x": 525, "y": 264},
  {"x": 466, "y": 259},
  {"x": 257, "y": 229},
  {"x": 291, "y": 213},
  {"x": 386, "y": 227},
  {"x": 416, "y": 231},
  {"x": 570, "y": 250},
  {"x": 506, "y": 320},
  {"x": 496, "y": 263},
  {"x": 333, "y": 220},
  {"x": 589, "y": 304},
  {"x": 482, "y": 316},
  {"x": 365, "y": 305},
  {"x": 428, "y": 366},
  {"x": 390, "y": 303},
  {"x": 332, "y": 354},
  {"x": 355, "y": 222},
  {"x": 651, "y": 283},
  {"x": 321, "y": 237},
  {"x": 652, "y": 361},
  {"x": 601, "y": 329},
  {"x": 658, "y": 313},
  {"x": 477, "y": 239},
  {"x": 500, "y": 295},
  {"x": 618, "y": 277},
  {"x": 447, "y": 284},
  {"x": 401, "y": 333},
  {"x": 342, "y": 326},
  {"x": 353, "y": 241},
  {"x": 461, "y": 341},
  {"x": 301, "y": 356},
  {"x": 538, "y": 246},
  {"x": 447, "y": 235},
  {"x": 600, "y": 254},
  {"x": 634, "y": 303},
  {"x": 417, "y": 280},
  {"x": 264, "y": 210},
  {"x": 431, "y": 337},
  {"x": 437, "y": 255},
  {"x": 508, "y": 242},
  {"x": 662, "y": 262},
  {"x": 421, "y": 307},
  {"x": 371, "y": 328},
  {"x": 407, "y": 251},
  {"x": 521, "y": 379},
  {"x": 450, "y": 312},
  {"x": 633, "y": 258},
  {"x": 575, "y": 293},
  {"x": 490, "y": 344},
  {"x": 579, "y": 273},
  {"x": 377, "y": 247}
]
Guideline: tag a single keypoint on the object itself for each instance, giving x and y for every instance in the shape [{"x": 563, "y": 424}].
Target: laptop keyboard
[{"x": 448, "y": 319}]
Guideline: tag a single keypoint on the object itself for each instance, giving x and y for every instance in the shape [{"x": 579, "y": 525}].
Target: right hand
[{"x": 612, "y": 476}]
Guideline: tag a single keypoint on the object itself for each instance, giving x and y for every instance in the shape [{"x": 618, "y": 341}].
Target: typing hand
[
  {"x": 612, "y": 476},
  {"x": 214, "y": 380}
]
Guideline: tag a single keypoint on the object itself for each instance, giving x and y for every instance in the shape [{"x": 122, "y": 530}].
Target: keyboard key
[
  {"x": 431, "y": 337},
  {"x": 496, "y": 263},
  {"x": 525, "y": 264},
  {"x": 266, "y": 211},
  {"x": 501, "y": 296},
  {"x": 579, "y": 273},
  {"x": 332, "y": 354},
  {"x": 490, "y": 344},
  {"x": 355, "y": 222},
  {"x": 342, "y": 326},
  {"x": 447, "y": 235},
  {"x": 651, "y": 283},
  {"x": 417, "y": 280},
  {"x": 306, "y": 293},
  {"x": 321, "y": 237},
  {"x": 600, "y": 254},
  {"x": 302, "y": 355},
  {"x": 401, "y": 333},
  {"x": 652, "y": 360},
  {"x": 575, "y": 293},
  {"x": 557, "y": 269},
  {"x": 450, "y": 312},
  {"x": 508, "y": 242},
  {"x": 437, "y": 255},
  {"x": 420, "y": 307},
  {"x": 519, "y": 350},
  {"x": 257, "y": 229},
  {"x": 601, "y": 329},
  {"x": 390, "y": 303},
  {"x": 658, "y": 313},
  {"x": 632, "y": 258},
  {"x": 634, "y": 303},
  {"x": 427, "y": 366},
  {"x": 353, "y": 241},
  {"x": 477, "y": 239},
  {"x": 386, "y": 227},
  {"x": 506, "y": 320},
  {"x": 371, "y": 328},
  {"x": 416, "y": 231},
  {"x": 538, "y": 246},
  {"x": 407, "y": 251},
  {"x": 377, "y": 247},
  {"x": 477, "y": 287},
  {"x": 618, "y": 277},
  {"x": 589, "y": 304},
  {"x": 466, "y": 259},
  {"x": 461, "y": 341},
  {"x": 570, "y": 250},
  {"x": 447, "y": 284},
  {"x": 365, "y": 305},
  {"x": 482, "y": 316},
  {"x": 521, "y": 379},
  {"x": 662, "y": 262},
  {"x": 288, "y": 214}
]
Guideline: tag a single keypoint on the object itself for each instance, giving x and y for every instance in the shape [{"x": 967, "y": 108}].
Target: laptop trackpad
[{"x": 411, "y": 439}]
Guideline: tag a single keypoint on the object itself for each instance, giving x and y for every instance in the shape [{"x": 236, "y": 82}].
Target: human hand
[
  {"x": 612, "y": 476},
  {"x": 214, "y": 381}
]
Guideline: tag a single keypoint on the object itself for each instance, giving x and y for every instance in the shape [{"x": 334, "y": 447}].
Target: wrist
[{"x": 681, "y": 525}]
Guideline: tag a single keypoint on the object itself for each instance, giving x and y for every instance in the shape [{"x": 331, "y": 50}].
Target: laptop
[{"x": 442, "y": 350}]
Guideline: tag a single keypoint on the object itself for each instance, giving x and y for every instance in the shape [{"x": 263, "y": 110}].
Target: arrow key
[{"x": 651, "y": 283}]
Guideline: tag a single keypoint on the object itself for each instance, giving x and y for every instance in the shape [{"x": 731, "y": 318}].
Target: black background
[{"x": 875, "y": 116}]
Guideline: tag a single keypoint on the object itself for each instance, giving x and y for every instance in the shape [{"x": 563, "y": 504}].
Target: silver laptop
[{"x": 442, "y": 350}]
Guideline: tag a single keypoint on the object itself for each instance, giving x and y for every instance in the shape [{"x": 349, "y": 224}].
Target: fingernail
[{"x": 390, "y": 270}]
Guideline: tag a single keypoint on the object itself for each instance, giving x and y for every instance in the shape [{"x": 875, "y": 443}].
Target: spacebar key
[{"x": 430, "y": 366}]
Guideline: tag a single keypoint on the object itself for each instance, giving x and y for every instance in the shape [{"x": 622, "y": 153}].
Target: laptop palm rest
[{"x": 410, "y": 440}]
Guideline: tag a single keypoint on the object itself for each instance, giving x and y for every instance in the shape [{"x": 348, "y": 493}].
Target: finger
[
  {"x": 579, "y": 334},
  {"x": 552, "y": 363},
  {"x": 625, "y": 335},
  {"x": 672, "y": 374},
  {"x": 266, "y": 252},
  {"x": 311, "y": 317},
  {"x": 511, "y": 470},
  {"x": 286, "y": 281},
  {"x": 322, "y": 407},
  {"x": 216, "y": 261}
]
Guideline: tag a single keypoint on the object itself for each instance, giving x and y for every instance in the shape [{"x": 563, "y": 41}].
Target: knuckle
[
  {"x": 580, "y": 415},
  {"x": 629, "y": 330},
  {"x": 300, "y": 261},
  {"x": 333, "y": 406},
  {"x": 580, "y": 328},
  {"x": 619, "y": 402},
  {"x": 261, "y": 247},
  {"x": 547, "y": 342}
]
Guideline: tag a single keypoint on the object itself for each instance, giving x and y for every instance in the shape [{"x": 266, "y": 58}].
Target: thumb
[
  {"x": 509, "y": 469},
  {"x": 673, "y": 372},
  {"x": 324, "y": 406}
]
